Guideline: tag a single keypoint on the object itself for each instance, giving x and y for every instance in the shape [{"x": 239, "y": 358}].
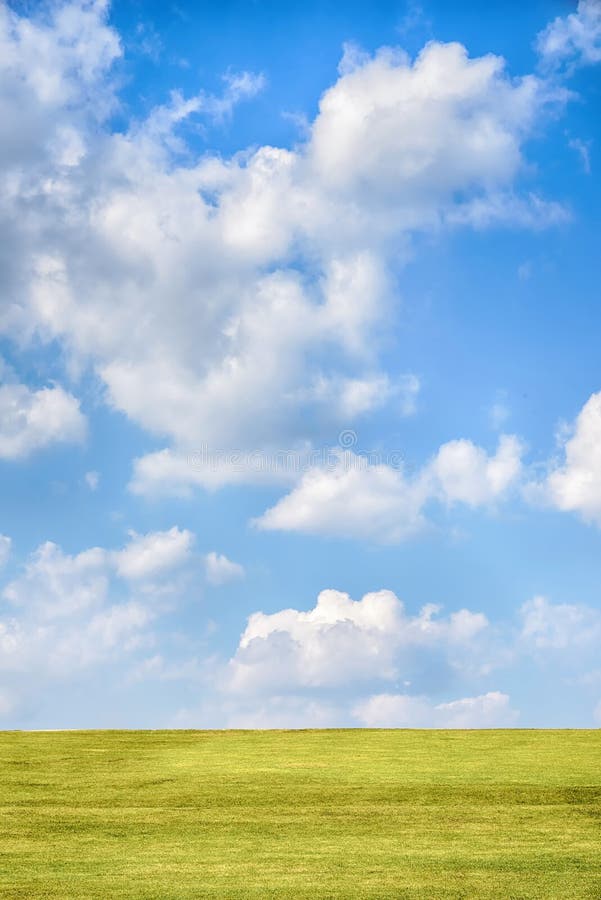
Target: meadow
[{"x": 298, "y": 814}]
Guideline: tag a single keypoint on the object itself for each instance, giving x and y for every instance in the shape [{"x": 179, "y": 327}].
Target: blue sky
[{"x": 300, "y": 400}]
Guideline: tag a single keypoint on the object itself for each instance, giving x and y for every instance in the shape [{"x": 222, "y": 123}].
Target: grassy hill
[{"x": 351, "y": 813}]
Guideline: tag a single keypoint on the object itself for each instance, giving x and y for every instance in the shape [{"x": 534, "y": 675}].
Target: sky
[{"x": 300, "y": 383}]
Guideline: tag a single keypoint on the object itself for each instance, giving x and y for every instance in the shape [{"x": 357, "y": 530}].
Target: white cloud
[
  {"x": 220, "y": 569},
  {"x": 35, "y": 650},
  {"x": 113, "y": 633},
  {"x": 574, "y": 39},
  {"x": 54, "y": 584},
  {"x": 550, "y": 627},
  {"x": 346, "y": 399},
  {"x": 466, "y": 474},
  {"x": 342, "y": 642},
  {"x": 349, "y": 496},
  {"x": 152, "y": 554},
  {"x": 68, "y": 613},
  {"x": 575, "y": 485},
  {"x": 5, "y": 549},
  {"x": 276, "y": 263},
  {"x": 54, "y": 65},
  {"x": 31, "y": 420},
  {"x": 491, "y": 710},
  {"x": 462, "y": 125}
]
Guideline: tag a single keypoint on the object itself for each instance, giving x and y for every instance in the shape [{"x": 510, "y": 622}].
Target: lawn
[{"x": 350, "y": 813}]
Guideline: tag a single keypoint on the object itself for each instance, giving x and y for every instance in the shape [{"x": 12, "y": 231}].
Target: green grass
[{"x": 354, "y": 813}]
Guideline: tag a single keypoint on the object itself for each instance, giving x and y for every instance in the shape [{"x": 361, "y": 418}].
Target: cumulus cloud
[
  {"x": 350, "y": 496},
  {"x": 574, "y": 39},
  {"x": 343, "y": 641},
  {"x": 54, "y": 584},
  {"x": 64, "y": 614},
  {"x": 277, "y": 264},
  {"x": 152, "y": 554},
  {"x": 575, "y": 484},
  {"x": 31, "y": 420},
  {"x": 113, "y": 633},
  {"x": 466, "y": 474},
  {"x": 463, "y": 123},
  {"x": 220, "y": 569},
  {"x": 491, "y": 710},
  {"x": 366, "y": 661},
  {"x": 342, "y": 662},
  {"x": 370, "y": 661}
]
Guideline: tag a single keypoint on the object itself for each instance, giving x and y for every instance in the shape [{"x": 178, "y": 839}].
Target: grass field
[{"x": 298, "y": 814}]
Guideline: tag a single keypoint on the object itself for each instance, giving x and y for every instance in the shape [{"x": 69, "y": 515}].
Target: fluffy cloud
[
  {"x": 466, "y": 474},
  {"x": 113, "y": 633},
  {"x": 328, "y": 667},
  {"x": 463, "y": 121},
  {"x": 219, "y": 300},
  {"x": 31, "y": 420},
  {"x": 342, "y": 641},
  {"x": 350, "y": 498},
  {"x": 220, "y": 569},
  {"x": 371, "y": 662},
  {"x": 54, "y": 69},
  {"x": 490, "y": 710},
  {"x": 575, "y": 485},
  {"x": 340, "y": 663},
  {"x": 54, "y": 584},
  {"x": 65, "y": 613},
  {"x": 149, "y": 555},
  {"x": 353, "y": 497},
  {"x": 575, "y": 39}
]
